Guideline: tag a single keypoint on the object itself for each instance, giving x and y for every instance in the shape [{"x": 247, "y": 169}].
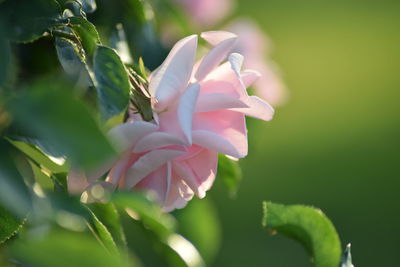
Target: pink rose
[
  {"x": 199, "y": 111},
  {"x": 255, "y": 47}
]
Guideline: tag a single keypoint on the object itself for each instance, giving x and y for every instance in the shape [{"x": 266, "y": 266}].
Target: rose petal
[
  {"x": 174, "y": 73},
  {"x": 186, "y": 107},
  {"x": 249, "y": 77},
  {"x": 214, "y": 57},
  {"x": 158, "y": 140},
  {"x": 126, "y": 135},
  {"x": 217, "y": 101},
  {"x": 147, "y": 164}
]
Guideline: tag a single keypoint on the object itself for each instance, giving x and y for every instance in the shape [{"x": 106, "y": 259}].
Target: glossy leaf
[
  {"x": 86, "y": 32},
  {"x": 42, "y": 112},
  {"x": 9, "y": 224},
  {"x": 230, "y": 173},
  {"x": 112, "y": 82},
  {"x": 27, "y": 20},
  {"x": 307, "y": 225},
  {"x": 64, "y": 249},
  {"x": 73, "y": 61}
]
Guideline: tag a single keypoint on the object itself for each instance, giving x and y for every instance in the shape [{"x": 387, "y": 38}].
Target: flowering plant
[{"x": 109, "y": 132}]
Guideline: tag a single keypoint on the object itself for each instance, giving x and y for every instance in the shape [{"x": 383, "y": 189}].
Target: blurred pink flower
[
  {"x": 206, "y": 13},
  {"x": 199, "y": 111},
  {"x": 255, "y": 46}
]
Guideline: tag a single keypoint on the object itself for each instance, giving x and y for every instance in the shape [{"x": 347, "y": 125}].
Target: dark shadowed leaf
[
  {"x": 112, "y": 82},
  {"x": 86, "y": 32},
  {"x": 14, "y": 194},
  {"x": 72, "y": 60},
  {"x": 27, "y": 20},
  {"x": 230, "y": 173},
  {"x": 9, "y": 224},
  {"x": 307, "y": 225},
  {"x": 43, "y": 112}
]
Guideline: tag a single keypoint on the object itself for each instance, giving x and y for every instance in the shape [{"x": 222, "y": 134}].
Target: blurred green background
[{"x": 335, "y": 144}]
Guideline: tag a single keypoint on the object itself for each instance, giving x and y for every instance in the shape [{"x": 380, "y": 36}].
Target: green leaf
[
  {"x": 112, "y": 82},
  {"x": 102, "y": 233},
  {"x": 56, "y": 116},
  {"x": 86, "y": 32},
  {"x": 64, "y": 249},
  {"x": 27, "y": 20},
  {"x": 206, "y": 236},
  {"x": 307, "y": 225},
  {"x": 346, "y": 257},
  {"x": 73, "y": 60},
  {"x": 14, "y": 194},
  {"x": 109, "y": 217},
  {"x": 9, "y": 224},
  {"x": 38, "y": 156},
  {"x": 147, "y": 211},
  {"x": 230, "y": 173}
]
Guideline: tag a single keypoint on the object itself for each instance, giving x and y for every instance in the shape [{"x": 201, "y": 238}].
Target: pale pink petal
[
  {"x": 147, "y": 164},
  {"x": 178, "y": 196},
  {"x": 216, "y": 37},
  {"x": 158, "y": 140},
  {"x": 211, "y": 128},
  {"x": 211, "y": 102},
  {"x": 223, "y": 80},
  {"x": 249, "y": 77},
  {"x": 216, "y": 143},
  {"x": 156, "y": 183},
  {"x": 199, "y": 171},
  {"x": 186, "y": 107},
  {"x": 204, "y": 166},
  {"x": 126, "y": 135},
  {"x": 118, "y": 170},
  {"x": 173, "y": 75},
  {"x": 214, "y": 57},
  {"x": 258, "y": 108}
]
